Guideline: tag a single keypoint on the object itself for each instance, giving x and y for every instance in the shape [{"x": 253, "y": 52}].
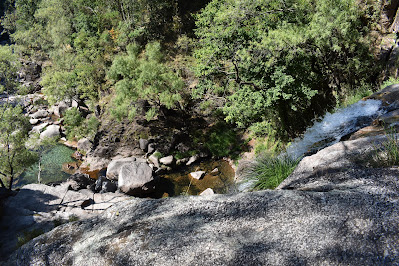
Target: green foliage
[
  {"x": 28, "y": 235},
  {"x": 222, "y": 141},
  {"x": 273, "y": 59},
  {"x": 78, "y": 127},
  {"x": 355, "y": 96},
  {"x": 9, "y": 65},
  {"x": 390, "y": 81},
  {"x": 144, "y": 77},
  {"x": 388, "y": 153},
  {"x": 14, "y": 156},
  {"x": 269, "y": 171}
]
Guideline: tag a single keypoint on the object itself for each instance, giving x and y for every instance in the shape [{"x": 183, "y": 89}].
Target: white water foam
[{"x": 333, "y": 127}]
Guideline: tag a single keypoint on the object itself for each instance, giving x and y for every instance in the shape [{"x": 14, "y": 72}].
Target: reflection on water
[
  {"x": 181, "y": 183},
  {"x": 52, "y": 162}
]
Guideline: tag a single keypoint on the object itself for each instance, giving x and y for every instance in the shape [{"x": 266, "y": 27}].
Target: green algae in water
[{"x": 51, "y": 167}]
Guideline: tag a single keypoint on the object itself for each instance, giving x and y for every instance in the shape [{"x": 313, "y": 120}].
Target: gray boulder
[
  {"x": 38, "y": 129},
  {"x": 116, "y": 164},
  {"x": 143, "y": 144},
  {"x": 84, "y": 145},
  {"x": 154, "y": 159},
  {"x": 40, "y": 114},
  {"x": 136, "y": 179},
  {"x": 285, "y": 227},
  {"x": 51, "y": 132},
  {"x": 60, "y": 109}
]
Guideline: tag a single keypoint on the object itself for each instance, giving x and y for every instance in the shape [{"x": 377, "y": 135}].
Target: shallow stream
[{"x": 51, "y": 165}]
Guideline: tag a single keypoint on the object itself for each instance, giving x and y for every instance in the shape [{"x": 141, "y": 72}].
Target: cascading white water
[{"x": 333, "y": 127}]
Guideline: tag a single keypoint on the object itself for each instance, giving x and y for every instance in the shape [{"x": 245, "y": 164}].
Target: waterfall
[{"x": 334, "y": 126}]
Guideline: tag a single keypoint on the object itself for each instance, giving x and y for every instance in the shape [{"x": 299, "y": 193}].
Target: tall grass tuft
[
  {"x": 268, "y": 171},
  {"x": 388, "y": 153}
]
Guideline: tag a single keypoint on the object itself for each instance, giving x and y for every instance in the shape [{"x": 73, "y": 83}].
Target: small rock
[
  {"x": 75, "y": 104},
  {"x": 192, "y": 160},
  {"x": 143, "y": 144},
  {"x": 215, "y": 171},
  {"x": 154, "y": 159},
  {"x": 151, "y": 148},
  {"x": 197, "y": 175},
  {"x": 207, "y": 192},
  {"x": 61, "y": 108},
  {"x": 168, "y": 160},
  {"x": 33, "y": 121}
]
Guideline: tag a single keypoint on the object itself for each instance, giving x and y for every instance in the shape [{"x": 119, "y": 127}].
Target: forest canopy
[{"x": 260, "y": 63}]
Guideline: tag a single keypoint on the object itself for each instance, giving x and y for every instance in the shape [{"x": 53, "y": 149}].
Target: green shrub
[
  {"x": 389, "y": 82},
  {"x": 27, "y": 236},
  {"x": 78, "y": 127},
  {"x": 222, "y": 141},
  {"x": 269, "y": 171},
  {"x": 388, "y": 153}
]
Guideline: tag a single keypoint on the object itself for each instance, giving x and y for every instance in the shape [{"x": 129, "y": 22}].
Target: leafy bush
[
  {"x": 268, "y": 171},
  {"x": 144, "y": 77},
  {"x": 78, "y": 127},
  {"x": 222, "y": 141},
  {"x": 27, "y": 236}
]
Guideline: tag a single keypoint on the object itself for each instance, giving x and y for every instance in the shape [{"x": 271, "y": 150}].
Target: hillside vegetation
[{"x": 267, "y": 68}]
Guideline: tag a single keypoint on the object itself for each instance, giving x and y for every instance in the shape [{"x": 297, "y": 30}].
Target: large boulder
[
  {"x": 325, "y": 169},
  {"x": 84, "y": 145},
  {"x": 60, "y": 109},
  {"x": 136, "y": 179},
  {"x": 116, "y": 164},
  {"x": 40, "y": 207},
  {"x": 51, "y": 132},
  {"x": 357, "y": 225},
  {"x": 40, "y": 114}
]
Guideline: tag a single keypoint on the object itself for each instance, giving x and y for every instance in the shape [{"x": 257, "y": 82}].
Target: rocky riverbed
[{"x": 339, "y": 207}]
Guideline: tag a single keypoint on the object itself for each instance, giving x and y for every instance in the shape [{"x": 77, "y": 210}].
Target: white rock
[
  {"x": 39, "y": 128},
  {"x": 40, "y": 114},
  {"x": 50, "y": 132},
  {"x": 154, "y": 159},
  {"x": 215, "y": 171},
  {"x": 197, "y": 175},
  {"x": 33, "y": 121},
  {"x": 168, "y": 160},
  {"x": 192, "y": 159},
  {"x": 207, "y": 192},
  {"x": 115, "y": 166}
]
